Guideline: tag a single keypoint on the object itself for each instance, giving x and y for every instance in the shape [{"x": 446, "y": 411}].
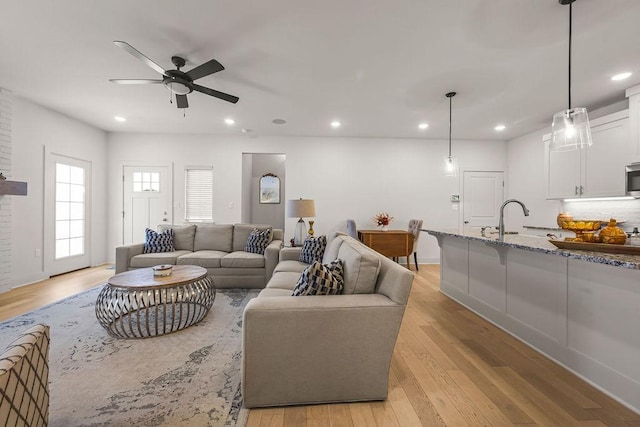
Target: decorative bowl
[
  {"x": 580, "y": 226},
  {"x": 613, "y": 234}
]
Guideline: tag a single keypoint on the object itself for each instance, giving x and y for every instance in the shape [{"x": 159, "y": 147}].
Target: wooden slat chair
[{"x": 24, "y": 379}]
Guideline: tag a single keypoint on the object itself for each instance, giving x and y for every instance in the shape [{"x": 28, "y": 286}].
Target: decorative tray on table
[{"x": 597, "y": 247}]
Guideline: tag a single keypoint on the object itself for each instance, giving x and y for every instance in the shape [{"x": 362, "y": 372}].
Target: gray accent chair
[
  {"x": 351, "y": 228},
  {"x": 415, "y": 226},
  {"x": 320, "y": 349},
  {"x": 24, "y": 379}
]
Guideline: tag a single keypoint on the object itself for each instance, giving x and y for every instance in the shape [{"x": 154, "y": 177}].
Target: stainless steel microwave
[{"x": 632, "y": 181}]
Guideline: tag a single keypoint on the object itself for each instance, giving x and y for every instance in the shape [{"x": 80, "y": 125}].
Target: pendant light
[
  {"x": 450, "y": 166},
  {"x": 570, "y": 129}
]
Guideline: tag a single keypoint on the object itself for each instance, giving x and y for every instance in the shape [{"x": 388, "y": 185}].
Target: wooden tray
[{"x": 597, "y": 247}]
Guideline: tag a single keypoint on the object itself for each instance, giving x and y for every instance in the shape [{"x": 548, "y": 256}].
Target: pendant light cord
[
  {"x": 570, "y": 21},
  {"x": 450, "y": 126}
]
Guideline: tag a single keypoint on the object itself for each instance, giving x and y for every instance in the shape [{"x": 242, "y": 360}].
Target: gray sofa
[
  {"x": 217, "y": 247},
  {"x": 318, "y": 349}
]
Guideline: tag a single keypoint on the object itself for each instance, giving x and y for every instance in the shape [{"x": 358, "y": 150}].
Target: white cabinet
[
  {"x": 597, "y": 171},
  {"x": 633, "y": 93}
]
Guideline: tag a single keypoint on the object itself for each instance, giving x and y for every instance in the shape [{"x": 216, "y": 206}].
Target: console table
[{"x": 390, "y": 243}]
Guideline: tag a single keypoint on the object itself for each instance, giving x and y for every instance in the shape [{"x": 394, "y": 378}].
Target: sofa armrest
[
  {"x": 315, "y": 349},
  {"x": 271, "y": 257},
  {"x": 124, "y": 255},
  {"x": 290, "y": 254}
]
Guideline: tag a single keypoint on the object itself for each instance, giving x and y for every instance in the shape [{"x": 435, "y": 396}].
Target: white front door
[
  {"x": 482, "y": 196},
  {"x": 147, "y": 200},
  {"x": 67, "y": 214}
]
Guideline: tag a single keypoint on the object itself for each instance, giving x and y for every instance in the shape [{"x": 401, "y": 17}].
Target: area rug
[{"x": 188, "y": 378}]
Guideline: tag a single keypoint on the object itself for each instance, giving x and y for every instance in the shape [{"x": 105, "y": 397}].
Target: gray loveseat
[
  {"x": 217, "y": 247},
  {"x": 332, "y": 348}
]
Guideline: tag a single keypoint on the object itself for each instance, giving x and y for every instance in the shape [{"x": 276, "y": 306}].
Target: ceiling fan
[{"x": 177, "y": 81}]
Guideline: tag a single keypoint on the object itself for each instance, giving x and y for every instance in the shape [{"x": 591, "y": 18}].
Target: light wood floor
[{"x": 450, "y": 367}]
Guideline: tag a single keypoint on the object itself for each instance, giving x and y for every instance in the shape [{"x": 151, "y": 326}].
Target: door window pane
[
  {"x": 70, "y": 209},
  {"x": 146, "y": 181}
]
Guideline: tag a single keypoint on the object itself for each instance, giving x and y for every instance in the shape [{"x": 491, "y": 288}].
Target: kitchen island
[{"x": 580, "y": 308}]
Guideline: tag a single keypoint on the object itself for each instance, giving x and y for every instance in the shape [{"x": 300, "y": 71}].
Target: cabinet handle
[
  {"x": 581, "y": 190},
  {"x": 576, "y": 191}
]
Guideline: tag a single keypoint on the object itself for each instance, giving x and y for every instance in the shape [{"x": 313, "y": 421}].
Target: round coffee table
[{"x": 137, "y": 304}]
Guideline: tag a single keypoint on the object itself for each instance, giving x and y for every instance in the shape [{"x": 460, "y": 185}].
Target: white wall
[
  {"x": 347, "y": 177},
  {"x": 34, "y": 128},
  {"x": 526, "y": 182}
]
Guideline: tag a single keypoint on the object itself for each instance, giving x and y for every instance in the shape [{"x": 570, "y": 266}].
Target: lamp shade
[
  {"x": 301, "y": 208},
  {"x": 570, "y": 130}
]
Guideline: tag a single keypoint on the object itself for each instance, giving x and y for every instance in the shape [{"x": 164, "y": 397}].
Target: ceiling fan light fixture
[
  {"x": 570, "y": 129},
  {"x": 177, "y": 87}
]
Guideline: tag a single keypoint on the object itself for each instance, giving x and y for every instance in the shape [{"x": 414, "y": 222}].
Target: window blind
[{"x": 199, "y": 194}]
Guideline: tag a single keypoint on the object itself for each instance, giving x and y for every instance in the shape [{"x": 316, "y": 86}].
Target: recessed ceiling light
[
  {"x": 500, "y": 128},
  {"x": 278, "y": 121},
  {"x": 229, "y": 121},
  {"x": 335, "y": 124},
  {"x": 423, "y": 126},
  {"x": 621, "y": 76},
  {"x": 119, "y": 119},
  {"x": 245, "y": 130}
]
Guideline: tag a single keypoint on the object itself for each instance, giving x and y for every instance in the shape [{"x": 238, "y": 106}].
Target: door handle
[{"x": 466, "y": 222}]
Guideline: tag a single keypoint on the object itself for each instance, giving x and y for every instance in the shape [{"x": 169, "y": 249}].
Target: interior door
[
  {"x": 482, "y": 196},
  {"x": 147, "y": 200},
  {"x": 67, "y": 214}
]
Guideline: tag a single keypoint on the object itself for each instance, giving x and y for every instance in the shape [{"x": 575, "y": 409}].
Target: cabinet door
[
  {"x": 604, "y": 162},
  {"x": 563, "y": 173}
]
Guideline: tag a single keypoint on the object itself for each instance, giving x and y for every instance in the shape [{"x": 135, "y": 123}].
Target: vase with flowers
[{"x": 383, "y": 220}]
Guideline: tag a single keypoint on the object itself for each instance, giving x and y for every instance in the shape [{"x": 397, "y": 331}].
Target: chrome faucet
[{"x": 501, "y": 225}]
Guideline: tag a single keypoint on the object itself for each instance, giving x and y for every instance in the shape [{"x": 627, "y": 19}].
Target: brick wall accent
[{"x": 5, "y": 201}]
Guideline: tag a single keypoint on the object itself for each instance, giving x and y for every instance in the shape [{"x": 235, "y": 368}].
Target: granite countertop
[{"x": 542, "y": 244}]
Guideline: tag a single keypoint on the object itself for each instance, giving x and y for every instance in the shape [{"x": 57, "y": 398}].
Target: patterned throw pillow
[
  {"x": 258, "y": 241},
  {"x": 313, "y": 249},
  {"x": 320, "y": 279},
  {"x": 158, "y": 242}
]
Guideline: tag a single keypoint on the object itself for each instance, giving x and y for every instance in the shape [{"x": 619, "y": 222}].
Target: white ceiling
[{"x": 379, "y": 66}]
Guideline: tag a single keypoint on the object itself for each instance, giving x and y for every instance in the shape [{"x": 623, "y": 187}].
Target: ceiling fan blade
[
  {"x": 205, "y": 69},
  {"x": 217, "y": 94},
  {"x": 133, "y": 51},
  {"x": 135, "y": 81},
  {"x": 182, "y": 102}
]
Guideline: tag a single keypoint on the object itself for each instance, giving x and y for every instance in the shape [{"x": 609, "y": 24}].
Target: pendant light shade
[
  {"x": 450, "y": 165},
  {"x": 570, "y": 129}
]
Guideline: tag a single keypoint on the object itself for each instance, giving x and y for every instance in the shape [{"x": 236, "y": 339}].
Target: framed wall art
[{"x": 270, "y": 189}]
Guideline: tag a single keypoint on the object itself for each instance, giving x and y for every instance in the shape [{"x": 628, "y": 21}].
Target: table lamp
[{"x": 301, "y": 208}]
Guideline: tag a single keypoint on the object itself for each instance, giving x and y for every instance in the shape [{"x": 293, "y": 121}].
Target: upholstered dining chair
[
  {"x": 351, "y": 228},
  {"x": 24, "y": 379},
  {"x": 415, "y": 226}
]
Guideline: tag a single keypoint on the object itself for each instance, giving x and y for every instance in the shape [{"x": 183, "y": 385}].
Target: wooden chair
[
  {"x": 415, "y": 226},
  {"x": 24, "y": 379}
]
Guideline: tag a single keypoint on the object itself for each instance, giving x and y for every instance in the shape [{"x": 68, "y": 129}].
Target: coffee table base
[{"x": 149, "y": 312}]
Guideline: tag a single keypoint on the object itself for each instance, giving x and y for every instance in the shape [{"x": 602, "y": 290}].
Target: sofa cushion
[
  {"x": 206, "y": 259},
  {"x": 313, "y": 249},
  {"x": 320, "y": 279},
  {"x": 149, "y": 260},
  {"x": 284, "y": 280},
  {"x": 331, "y": 253},
  {"x": 158, "y": 242},
  {"x": 361, "y": 266},
  {"x": 290, "y": 266},
  {"x": 274, "y": 292},
  {"x": 258, "y": 241},
  {"x": 241, "y": 234},
  {"x": 182, "y": 236},
  {"x": 214, "y": 237},
  {"x": 242, "y": 259}
]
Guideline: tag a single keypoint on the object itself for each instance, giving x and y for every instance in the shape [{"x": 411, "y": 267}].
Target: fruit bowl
[{"x": 579, "y": 226}]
